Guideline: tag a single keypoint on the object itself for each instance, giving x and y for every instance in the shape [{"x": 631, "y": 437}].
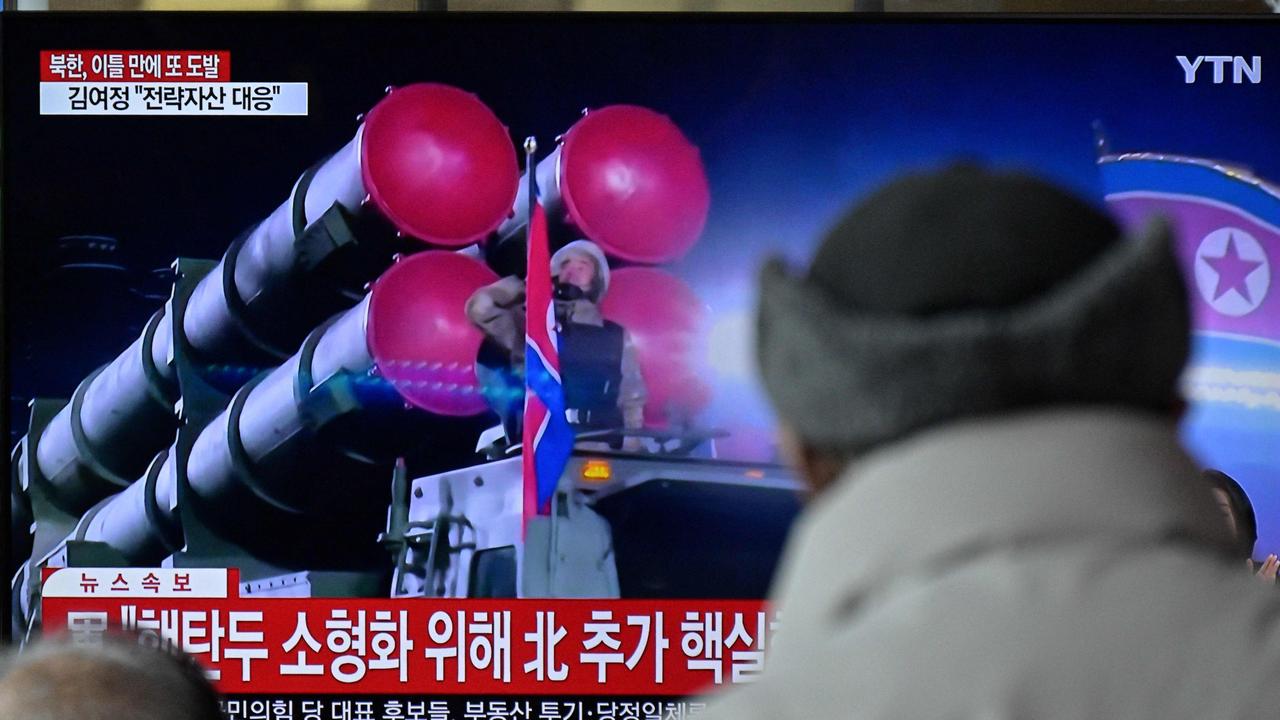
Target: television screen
[{"x": 275, "y": 290}]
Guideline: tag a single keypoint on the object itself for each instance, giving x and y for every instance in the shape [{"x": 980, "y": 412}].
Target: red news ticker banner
[
  {"x": 386, "y": 646},
  {"x": 135, "y": 65}
]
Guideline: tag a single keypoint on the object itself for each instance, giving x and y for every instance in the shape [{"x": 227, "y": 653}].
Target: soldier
[{"x": 603, "y": 387}]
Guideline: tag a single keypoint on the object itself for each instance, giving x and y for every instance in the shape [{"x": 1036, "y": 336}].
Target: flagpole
[
  {"x": 530, "y": 150},
  {"x": 547, "y": 436}
]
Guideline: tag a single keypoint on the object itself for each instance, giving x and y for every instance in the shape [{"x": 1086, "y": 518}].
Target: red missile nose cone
[
  {"x": 419, "y": 335},
  {"x": 633, "y": 183},
  {"x": 666, "y": 321},
  {"x": 438, "y": 164}
]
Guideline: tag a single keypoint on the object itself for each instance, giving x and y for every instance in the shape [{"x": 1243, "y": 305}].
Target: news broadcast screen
[{"x": 404, "y": 365}]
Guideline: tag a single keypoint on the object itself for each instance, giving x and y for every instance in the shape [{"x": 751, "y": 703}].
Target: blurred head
[
  {"x": 583, "y": 265},
  {"x": 56, "y": 679},
  {"x": 1236, "y": 508},
  {"x": 965, "y": 292}
]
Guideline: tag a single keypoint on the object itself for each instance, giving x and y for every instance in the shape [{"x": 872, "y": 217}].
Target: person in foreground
[
  {"x": 977, "y": 377},
  {"x": 57, "y": 679}
]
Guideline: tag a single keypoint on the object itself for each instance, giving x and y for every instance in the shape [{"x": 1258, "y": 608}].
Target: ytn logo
[{"x": 1240, "y": 68}]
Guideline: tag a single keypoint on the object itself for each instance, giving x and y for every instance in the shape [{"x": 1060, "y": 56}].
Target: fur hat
[
  {"x": 966, "y": 292},
  {"x": 585, "y": 248}
]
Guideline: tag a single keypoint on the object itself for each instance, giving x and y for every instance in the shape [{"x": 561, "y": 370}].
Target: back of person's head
[
  {"x": 56, "y": 679},
  {"x": 1244, "y": 524},
  {"x": 967, "y": 292}
]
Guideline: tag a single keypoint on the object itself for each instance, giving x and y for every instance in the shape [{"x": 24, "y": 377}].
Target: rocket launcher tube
[
  {"x": 132, "y": 522},
  {"x": 270, "y": 417},
  {"x": 627, "y": 178},
  {"x": 411, "y": 327},
  {"x": 266, "y": 257},
  {"x": 113, "y": 420}
]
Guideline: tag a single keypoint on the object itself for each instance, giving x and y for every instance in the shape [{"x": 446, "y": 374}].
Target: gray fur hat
[{"x": 967, "y": 292}]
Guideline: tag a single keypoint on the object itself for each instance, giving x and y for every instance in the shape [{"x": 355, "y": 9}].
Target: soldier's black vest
[{"x": 591, "y": 368}]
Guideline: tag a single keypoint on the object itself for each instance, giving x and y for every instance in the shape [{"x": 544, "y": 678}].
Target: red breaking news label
[
  {"x": 396, "y": 646},
  {"x": 135, "y": 65}
]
